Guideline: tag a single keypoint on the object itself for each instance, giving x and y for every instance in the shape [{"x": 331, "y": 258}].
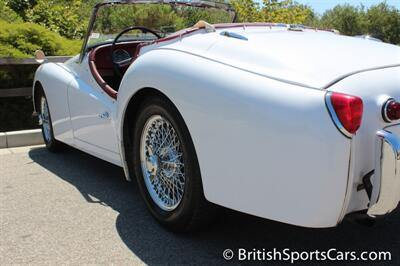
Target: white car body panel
[
  {"x": 255, "y": 110},
  {"x": 76, "y": 103},
  {"x": 375, "y": 87},
  {"x": 93, "y": 111},
  {"x": 281, "y": 54},
  {"x": 244, "y": 161}
]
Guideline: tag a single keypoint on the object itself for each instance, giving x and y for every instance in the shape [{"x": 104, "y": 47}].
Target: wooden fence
[{"x": 26, "y": 91}]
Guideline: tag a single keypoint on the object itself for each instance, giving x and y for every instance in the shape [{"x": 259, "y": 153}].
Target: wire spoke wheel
[
  {"x": 162, "y": 163},
  {"x": 45, "y": 119},
  {"x": 166, "y": 167}
]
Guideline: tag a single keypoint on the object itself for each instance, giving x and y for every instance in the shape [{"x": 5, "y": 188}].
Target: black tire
[
  {"x": 51, "y": 143},
  {"x": 193, "y": 211}
]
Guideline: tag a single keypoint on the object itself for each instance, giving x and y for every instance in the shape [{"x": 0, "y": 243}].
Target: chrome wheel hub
[
  {"x": 162, "y": 163},
  {"x": 44, "y": 119},
  {"x": 152, "y": 164}
]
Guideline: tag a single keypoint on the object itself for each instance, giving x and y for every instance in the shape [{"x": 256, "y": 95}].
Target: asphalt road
[{"x": 71, "y": 208}]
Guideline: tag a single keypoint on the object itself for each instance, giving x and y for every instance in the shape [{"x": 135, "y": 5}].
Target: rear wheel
[
  {"x": 52, "y": 144},
  {"x": 166, "y": 168}
]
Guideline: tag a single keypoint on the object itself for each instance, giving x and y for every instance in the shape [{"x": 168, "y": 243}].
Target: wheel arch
[
  {"x": 129, "y": 114},
  {"x": 37, "y": 91}
]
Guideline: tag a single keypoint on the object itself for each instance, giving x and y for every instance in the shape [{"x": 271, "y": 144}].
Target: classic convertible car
[{"x": 284, "y": 122}]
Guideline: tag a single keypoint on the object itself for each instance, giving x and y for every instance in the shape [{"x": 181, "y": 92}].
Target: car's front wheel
[
  {"x": 51, "y": 143},
  {"x": 166, "y": 167}
]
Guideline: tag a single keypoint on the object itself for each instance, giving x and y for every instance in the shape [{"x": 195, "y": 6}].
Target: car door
[{"x": 92, "y": 116}]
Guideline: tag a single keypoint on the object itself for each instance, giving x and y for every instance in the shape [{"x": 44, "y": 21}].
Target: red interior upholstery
[{"x": 101, "y": 65}]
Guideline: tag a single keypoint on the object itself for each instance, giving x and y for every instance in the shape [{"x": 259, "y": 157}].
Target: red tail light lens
[
  {"x": 392, "y": 111},
  {"x": 347, "y": 111}
]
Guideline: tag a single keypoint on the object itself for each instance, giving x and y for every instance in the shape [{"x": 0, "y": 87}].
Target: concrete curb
[{"x": 21, "y": 138}]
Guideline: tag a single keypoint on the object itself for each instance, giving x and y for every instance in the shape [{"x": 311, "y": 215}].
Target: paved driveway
[{"x": 71, "y": 208}]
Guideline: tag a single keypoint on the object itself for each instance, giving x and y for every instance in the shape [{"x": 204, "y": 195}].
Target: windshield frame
[{"x": 194, "y": 3}]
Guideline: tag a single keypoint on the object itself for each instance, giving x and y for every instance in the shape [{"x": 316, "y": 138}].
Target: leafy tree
[
  {"x": 116, "y": 18},
  {"x": 286, "y": 11},
  {"x": 344, "y": 18},
  {"x": 162, "y": 17},
  {"x": 191, "y": 16},
  {"x": 156, "y": 16},
  {"x": 247, "y": 11},
  {"x": 20, "y": 6},
  {"x": 59, "y": 16},
  {"x": 278, "y": 11},
  {"x": 7, "y": 14},
  {"x": 383, "y": 22}
]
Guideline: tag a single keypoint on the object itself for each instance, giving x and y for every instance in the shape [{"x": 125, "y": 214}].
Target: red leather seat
[{"x": 101, "y": 65}]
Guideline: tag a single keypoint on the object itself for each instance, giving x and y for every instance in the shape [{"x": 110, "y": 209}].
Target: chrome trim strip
[
  {"x": 233, "y": 35},
  {"x": 350, "y": 181},
  {"x": 386, "y": 181},
  {"x": 392, "y": 140},
  {"x": 334, "y": 116},
  {"x": 89, "y": 32}
]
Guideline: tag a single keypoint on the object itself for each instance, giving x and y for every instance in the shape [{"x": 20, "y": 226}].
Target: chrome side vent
[
  {"x": 296, "y": 27},
  {"x": 233, "y": 35}
]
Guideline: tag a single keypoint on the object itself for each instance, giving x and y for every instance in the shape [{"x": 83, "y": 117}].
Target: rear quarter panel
[
  {"x": 375, "y": 87},
  {"x": 265, "y": 147}
]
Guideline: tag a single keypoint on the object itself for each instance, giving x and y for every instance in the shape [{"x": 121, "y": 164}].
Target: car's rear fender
[
  {"x": 374, "y": 87},
  {"x": 265, "y": 147}
]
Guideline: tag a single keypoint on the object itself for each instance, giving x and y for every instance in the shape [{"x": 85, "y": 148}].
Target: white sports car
[{"x": 285, "y": 122}]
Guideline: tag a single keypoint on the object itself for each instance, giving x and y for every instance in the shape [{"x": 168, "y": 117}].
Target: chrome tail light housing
[{"x": 391, "y": 110}]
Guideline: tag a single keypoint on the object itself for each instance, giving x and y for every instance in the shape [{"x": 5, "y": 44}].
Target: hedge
[{"x": 21, "y": 40}]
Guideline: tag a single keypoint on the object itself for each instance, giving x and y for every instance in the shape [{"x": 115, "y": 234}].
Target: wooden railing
[{"x": 25, "y": 91}]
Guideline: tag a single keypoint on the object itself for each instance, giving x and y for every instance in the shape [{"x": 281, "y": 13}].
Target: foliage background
[{"x": 57, "y": 26}]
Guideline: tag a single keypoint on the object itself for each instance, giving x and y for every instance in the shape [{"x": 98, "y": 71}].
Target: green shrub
[
  {"x": 23, "y": 39},
  {"x": 7, "y": 50},
  {"x": 7, "y": 14}
]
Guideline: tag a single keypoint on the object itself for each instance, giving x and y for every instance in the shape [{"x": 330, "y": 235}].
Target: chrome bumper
[{"x": 386, "y": 181}]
